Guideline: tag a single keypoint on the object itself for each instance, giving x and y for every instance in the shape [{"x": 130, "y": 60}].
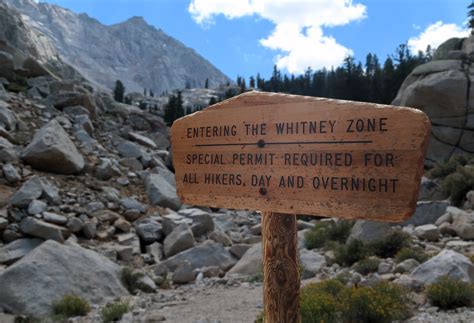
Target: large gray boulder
[
  {"x": 311, "y": 263},
  {"x": 447, "y": 262},
  {"x": 205, "y": 255},
  {"x": 250, "y": 263},
  {"x": 161, "y": 193},
  {"x": 51, "y": 271},
  {"x": 51, "y": 150},
  {"x": 441, "y": 88},
  {"x": 368, "y": 231},
  {"x": 463, "y": 224},
  {"x": 427, "y": 212}
]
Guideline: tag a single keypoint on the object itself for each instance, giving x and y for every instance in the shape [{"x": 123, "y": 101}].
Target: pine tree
[
  {"x": 119, "y": 91},
  {"x": 206, "y": 84},
  {"x": 152, "y": 94},
  {"x": 174, "y": 109},
  {"x": 252, "y": 82},
  {"x": 212, "y": 100},
  {"x": 470, "y": 16}
]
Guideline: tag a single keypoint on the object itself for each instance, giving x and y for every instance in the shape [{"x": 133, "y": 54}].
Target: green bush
[
  {"x": 71, "y": 306},
  {"x": 130, "y": 279},
  {"x": 348, "y": 254},
  {"x": 327, "y": 231},
  {"x": 317, "y": 236},
  {"x": 331, "y": 301},
  {"x": 113, "y": 312},
  {"x": 416, "y": 253},
  {"x": 384, "y": 302},
  {"x": 319, "y": 302},
  {"x": 390, "y": 245},
  {"x": 339, "y": 231},
  {"x": 459, "y": 183},
  {"x": 448, "y": 167},
  {"x": 367, "y": 266},
  {"x": 448, "y": 293}
]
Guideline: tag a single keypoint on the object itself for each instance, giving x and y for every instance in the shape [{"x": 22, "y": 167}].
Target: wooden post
[{"x": 281, "y": 282}]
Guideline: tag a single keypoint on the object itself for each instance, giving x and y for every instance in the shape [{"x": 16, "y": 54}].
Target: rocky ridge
[
  {"x": 442, "y": 88},
  {"x": 132, "y": 51}
]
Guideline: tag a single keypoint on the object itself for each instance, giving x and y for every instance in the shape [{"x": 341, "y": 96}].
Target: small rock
[
  {"x": 160, "y": 192},
  {"x": 36, "y": 207},
  {"x": 122, "y": 225},
  {"x": 41, "y": 229},
  {"x": 221, "y": 237},
  {"x": 54, "y": 218},
  {"x": 149, "y": 231},
  {"x": 124, "y": 253},
  {"x": 132, "y": 204},
  {"x": 463, "y": 224},
  {"x": 11, "y": 174},
  {"x": 256, "y": 229},
  {"x": 212, "y": 271},
  {"x": 155, "y": 250},
  {"x": 202, "y": 224},
  {"x": 427, "y": 232},
  {"x": 95, "y": 206},
  {"x": 406, "y": 266},
  {"x": 180, "y": 239},
  {"x": 128, "y": 149},
  {"x": 183, "y": 274},
  {"x": 74, "y": 225},
  {"x": 89, "y": 229},
  {"x": 146, "y": 284}
]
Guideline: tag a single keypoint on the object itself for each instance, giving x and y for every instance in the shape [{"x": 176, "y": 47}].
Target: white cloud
[
  {"x": 435, "y": 34},
  {"x": 298, "y": 34}
]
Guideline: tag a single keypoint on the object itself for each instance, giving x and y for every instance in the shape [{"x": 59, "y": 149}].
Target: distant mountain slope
[{"x": 132, "y": 51}]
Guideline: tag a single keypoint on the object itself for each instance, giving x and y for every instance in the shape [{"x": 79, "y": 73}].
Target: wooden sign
[{"x": 302, "y": 155}]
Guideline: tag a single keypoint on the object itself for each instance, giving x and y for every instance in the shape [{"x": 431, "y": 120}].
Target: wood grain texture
[
  {"x": 281, "y": 282},
  {"x": 397, "y": 135}
]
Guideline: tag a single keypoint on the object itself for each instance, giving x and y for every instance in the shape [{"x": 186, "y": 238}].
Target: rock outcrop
[
  {"x": 442, "y": 89},
  {"x": 52, "y": 150},
  {"x": 52, "y": 270}
]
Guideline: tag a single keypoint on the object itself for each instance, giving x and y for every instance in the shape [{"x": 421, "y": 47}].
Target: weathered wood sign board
[{"x": 302, "y": 155}]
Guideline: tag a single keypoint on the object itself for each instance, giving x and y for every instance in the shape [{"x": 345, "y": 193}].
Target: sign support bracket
[{"x": 281, "y": 282}]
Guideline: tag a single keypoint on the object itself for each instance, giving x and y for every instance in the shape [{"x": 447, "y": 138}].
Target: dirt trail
[{"x": 233, "y": 304}]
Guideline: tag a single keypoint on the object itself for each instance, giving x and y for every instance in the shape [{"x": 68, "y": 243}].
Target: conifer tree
[
  {"x": 470, "y": 16},
  {"x": 119, "y": 91}
]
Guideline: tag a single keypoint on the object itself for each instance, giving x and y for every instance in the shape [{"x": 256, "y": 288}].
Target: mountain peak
[
  {"x": 136, "y": 20},
  {"x": 133, "y": 51}
]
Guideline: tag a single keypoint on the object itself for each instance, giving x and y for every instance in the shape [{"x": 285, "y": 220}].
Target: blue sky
[{"x": 243, "y": 37}]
